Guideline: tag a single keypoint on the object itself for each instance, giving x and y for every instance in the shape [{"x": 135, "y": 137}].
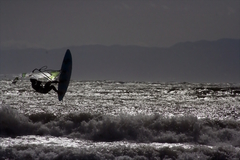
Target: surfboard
[{"x": 65, "y": 75}]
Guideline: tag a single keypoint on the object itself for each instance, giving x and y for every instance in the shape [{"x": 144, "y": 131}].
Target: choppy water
[{"x": 121, "y": 120}]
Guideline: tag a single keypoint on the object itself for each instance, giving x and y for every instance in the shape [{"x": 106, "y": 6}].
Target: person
[{"x": 39, "y": 87}]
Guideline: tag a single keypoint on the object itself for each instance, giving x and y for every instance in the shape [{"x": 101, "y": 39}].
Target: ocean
[{"x": 121, "y": 120}]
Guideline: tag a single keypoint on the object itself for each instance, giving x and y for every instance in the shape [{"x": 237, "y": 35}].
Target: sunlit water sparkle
[{"x": 107, "y": 120}]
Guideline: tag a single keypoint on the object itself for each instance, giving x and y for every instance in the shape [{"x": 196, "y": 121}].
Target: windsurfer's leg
[
  {"x": 54, "y": 88},
  {"x": 50, "y": 87},
  {"x": 54, "y": 81}
]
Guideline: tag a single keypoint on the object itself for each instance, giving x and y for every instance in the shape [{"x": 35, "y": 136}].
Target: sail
[
  {"x": 45, "y": 76},
  {"x": 21, "y": 76},
  {"x": 41, "y": 74}
]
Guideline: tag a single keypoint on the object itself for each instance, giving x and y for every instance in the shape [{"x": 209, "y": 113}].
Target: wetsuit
[{"x": 38, "y": 87}]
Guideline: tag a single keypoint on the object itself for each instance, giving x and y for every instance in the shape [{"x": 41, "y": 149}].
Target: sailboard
[
  {"x": 65, "y": 75},
  {"x": 43, "y": 74}
]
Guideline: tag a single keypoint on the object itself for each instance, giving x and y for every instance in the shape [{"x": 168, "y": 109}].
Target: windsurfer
[{"x": 39, "y": 87}]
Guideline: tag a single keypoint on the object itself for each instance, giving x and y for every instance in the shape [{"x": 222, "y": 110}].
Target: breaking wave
[
  {"x": 107, "y": 128},
  {"x": 132, "y": 128},
  {"x": 120, "y": 153}
]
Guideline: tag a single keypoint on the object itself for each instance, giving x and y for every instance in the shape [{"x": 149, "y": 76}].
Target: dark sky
[{"x": 162, "y": 23}]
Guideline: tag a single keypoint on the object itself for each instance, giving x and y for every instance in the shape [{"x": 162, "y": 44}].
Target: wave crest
[{"x": 137, "y": 128}]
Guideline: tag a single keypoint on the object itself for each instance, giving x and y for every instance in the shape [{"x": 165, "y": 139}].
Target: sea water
[{"x": 121, "y": 120}]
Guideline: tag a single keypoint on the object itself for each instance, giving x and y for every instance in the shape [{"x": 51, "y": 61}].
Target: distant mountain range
[{"x": 201, "y": 61}]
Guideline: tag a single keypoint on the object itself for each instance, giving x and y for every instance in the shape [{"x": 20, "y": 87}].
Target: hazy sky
[{"x": 162, "y": 23}]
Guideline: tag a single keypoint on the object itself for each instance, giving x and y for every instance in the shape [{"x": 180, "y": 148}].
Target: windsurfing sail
[{"x": 42, "y": 74}]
